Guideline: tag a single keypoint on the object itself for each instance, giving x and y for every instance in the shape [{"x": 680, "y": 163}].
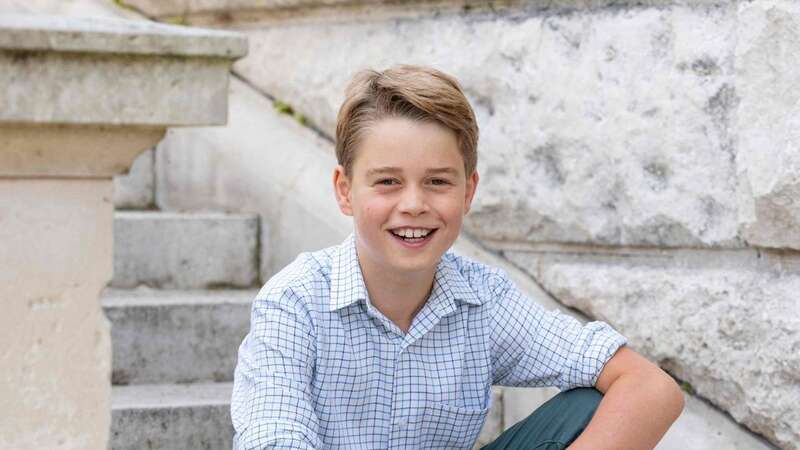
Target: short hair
[{"x": 413, "y": 92}]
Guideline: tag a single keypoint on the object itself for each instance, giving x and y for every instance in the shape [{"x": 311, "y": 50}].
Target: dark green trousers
[{"x": 554, "y": 425}]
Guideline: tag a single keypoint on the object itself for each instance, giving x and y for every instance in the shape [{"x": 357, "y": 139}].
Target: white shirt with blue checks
[{"x": 323, "y": 369}]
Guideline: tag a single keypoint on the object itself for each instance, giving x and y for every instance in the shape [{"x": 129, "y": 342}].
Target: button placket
[{"x": 400, "y": 400}]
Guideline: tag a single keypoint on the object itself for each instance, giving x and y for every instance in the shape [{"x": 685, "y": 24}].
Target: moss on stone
[
  {"x": 285, "y": 108},
  {"x": 686, "y": 387},
  {"x": 176, "y": 20}
]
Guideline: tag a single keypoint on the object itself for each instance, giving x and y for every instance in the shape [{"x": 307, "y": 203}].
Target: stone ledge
[
  {"x": 177, "y": 417},
  {"x": 149, "y": 75},
  {"x": 60, "y": 88},
  {"x": 176, "y": 336},
  {"x": 70, "y": 151},
  {"x": 160, "y": 250},
  {"x": 32, "y": 32},
  {"x": 228, "y": 9}
]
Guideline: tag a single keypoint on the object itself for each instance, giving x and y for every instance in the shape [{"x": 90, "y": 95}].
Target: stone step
[
  {"x": 171, "y": 250},
  {"x": 161, "y": 336},
  {"x": 176, "y": 417}
]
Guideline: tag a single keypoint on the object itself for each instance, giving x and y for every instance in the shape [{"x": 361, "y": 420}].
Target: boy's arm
[
  {"x": 271, "y": 405},
  {"x": 640, "y": 403}
]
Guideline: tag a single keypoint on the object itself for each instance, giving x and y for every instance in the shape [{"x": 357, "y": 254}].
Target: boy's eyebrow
[
  {"x": 445, "y": 170},
  {"x": 385, "y": 169},
  {"x": 390, "y": 169}
]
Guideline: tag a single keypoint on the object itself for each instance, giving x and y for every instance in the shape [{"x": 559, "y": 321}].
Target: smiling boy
[{"x": 390, "y": 341}]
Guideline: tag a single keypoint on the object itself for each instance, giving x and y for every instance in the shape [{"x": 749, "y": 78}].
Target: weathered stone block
[
  {"x": 733, "y": 334},
  {"x": 176, "y": 336},
  {"x": 768, "y": 160},
  {"x": 606, "y": 125},
  {"x": 176, "y": 417},
  {"x": 149, "y": 74},
  {"x": 185, "y": 251}
]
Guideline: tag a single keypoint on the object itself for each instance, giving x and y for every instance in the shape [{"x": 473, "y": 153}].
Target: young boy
[{"x": 389, "y": 341}]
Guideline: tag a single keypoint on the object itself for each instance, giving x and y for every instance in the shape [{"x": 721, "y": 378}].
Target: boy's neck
[{"x": 399, "y": 296}]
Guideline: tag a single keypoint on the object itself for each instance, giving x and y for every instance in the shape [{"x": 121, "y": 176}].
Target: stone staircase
[{"x": 179, "y": 307}]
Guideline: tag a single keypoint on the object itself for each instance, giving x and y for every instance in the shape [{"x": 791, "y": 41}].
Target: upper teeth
[{"x": 411, "y": 232}]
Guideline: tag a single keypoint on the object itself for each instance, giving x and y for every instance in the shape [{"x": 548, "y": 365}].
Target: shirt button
[{"x": 399, "y": 423}]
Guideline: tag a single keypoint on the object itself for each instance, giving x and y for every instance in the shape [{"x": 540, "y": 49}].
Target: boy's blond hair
[{"x": 413, "y": 92}]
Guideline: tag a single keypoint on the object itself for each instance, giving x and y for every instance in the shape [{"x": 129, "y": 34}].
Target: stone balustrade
[{"x": 79, "y": 100}]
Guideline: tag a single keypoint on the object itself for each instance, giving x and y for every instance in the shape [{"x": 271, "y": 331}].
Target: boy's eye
[
  {"x": 387, "y": 181},
  {"x": 439, "y": 181}
]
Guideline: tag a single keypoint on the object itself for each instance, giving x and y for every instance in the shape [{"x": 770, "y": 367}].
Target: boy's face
[{"x": 407, "y": 178}]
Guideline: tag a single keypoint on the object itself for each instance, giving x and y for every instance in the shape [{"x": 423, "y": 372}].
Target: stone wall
[{"x": 638, "y": 161}]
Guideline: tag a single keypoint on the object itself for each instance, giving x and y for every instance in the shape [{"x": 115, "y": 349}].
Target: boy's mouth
[{"x": 413, "y": 235}]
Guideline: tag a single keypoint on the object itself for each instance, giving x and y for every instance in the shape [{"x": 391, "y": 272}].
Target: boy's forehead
[
  {"x": 398, "y": 145},
  {"x": 385, "y": 163}
]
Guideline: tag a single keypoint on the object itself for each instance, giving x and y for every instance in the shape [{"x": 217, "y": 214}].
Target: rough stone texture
[
  {"x": 701, "y": 427},
  {"x": 55, "y": 255},
  {"x": 732, "y": 333},
  {"x": 137, "y": 90},
  {"x": 625, "y": 136},
  {"x": 185, "y": 251},
  {"x": 768, "y": 161},
  {"x": 54, "y": 68},
  {"x": 71, "y": 8},
  {"x": 38, "y": 32},
  {"x": 176, "y": 336},
  {"x": 262, "y": 162},
  {"x": 136, "y": 189},
  {"x": 160, "y": 8},
  {"x": 175, "y": 417},
  {"x": 183, "y": 8}
]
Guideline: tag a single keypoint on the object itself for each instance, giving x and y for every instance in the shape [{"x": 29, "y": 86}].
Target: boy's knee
[
  {"x": 583, "y": 397},
  {"x": 568, "y": 413},
  {"x": 575, "y": 404},
  {"x": 555, "y": 424}
]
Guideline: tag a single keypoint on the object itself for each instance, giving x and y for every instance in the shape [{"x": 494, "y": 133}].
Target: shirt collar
[{"x": 347, "y": 281}]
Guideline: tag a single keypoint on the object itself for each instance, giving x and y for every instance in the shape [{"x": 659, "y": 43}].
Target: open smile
[{"x": 413, "y": 237}]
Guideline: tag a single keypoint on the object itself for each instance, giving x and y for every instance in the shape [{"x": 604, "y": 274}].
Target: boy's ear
[
  {"x": 472, "y": 186},
  {"x": 341, "y": 187}
]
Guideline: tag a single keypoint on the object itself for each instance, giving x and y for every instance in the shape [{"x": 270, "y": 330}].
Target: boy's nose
[{"x": 413, "y": 202}]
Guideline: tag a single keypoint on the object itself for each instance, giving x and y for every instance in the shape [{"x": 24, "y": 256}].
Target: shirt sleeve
[
  {"x": 532, "y": 347},
  {"x": 271, "y": 403}
]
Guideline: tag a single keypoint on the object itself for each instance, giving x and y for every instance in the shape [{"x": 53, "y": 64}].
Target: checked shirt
[{"x": 321, "y": 368}]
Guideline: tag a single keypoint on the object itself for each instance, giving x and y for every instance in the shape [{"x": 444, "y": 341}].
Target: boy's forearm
[{"x": 636, "y": 411}]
